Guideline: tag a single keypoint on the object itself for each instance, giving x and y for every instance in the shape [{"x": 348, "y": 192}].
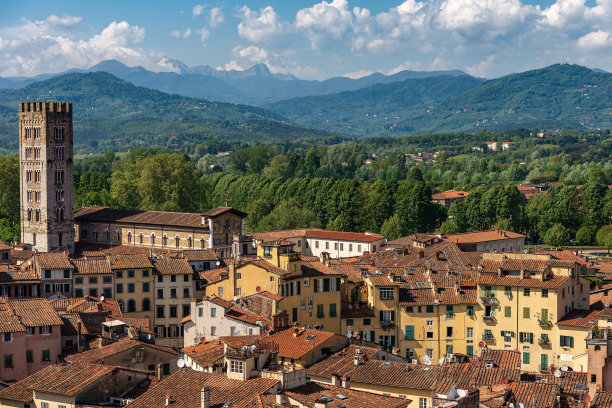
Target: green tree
[
  {"x": 448, "y": 227},
  {"x": 556, "y": 235},
  {"x": 9, "y": 189},
  {"x": 288, "y": 215},
  {"x": 392, "y": 228},
  {"x": 585, "y": 235},
  {"x": 604, "y": 237},
  {"x": 256, "y": 210}
]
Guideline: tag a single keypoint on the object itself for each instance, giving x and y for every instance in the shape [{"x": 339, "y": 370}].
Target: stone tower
[{"x": 46, "y": 175}]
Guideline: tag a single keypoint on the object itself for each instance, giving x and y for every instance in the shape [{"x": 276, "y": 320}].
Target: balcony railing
[
  {"x": 544, "y": 367},
  {"x": 489, "y": 319},
  {"x": 489, "y": 300},
  {"x": 545, "y": 322},
  {"x": 487, "y": 337},
  {"x": 544, "y": 341}
]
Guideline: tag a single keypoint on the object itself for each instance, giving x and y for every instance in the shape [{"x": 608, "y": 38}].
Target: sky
[{"x": 310, "y": 39}]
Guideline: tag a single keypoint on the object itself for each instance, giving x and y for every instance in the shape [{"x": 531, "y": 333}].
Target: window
[
  {"x": 429, "y": 309},
  {"x": 332, "y": 310},
  {"x": 526, "y": 337},
  {"x": 449, "y": 332},
  {"x": 29, "y": 356},
  {"x": 507, "y": 311},
  {"x": 526, "y": 358},
  {"x": 450, "y": 311},
  {"x": 131, "y": 274},
  {"x": 213, "y": 312},
  {"x": 409, "y": 309},
  {"x": 470, "y": 333},
  {"x": 526, "y": 313},
  {"x": 320, "y": 313},
  {"x": 385, "y": 293},
  {"x": 507, "y": 335},
  {"x": 173, "y": 293},
  {"x": 46, "y": 355},
  {"x": 146, "y": 304},
  {"x": 131, "y": 306},
  {"x": 47, "y": 274},
  {"x": 146, "y": 286},
  {"x": 429, "y": 335},
  {"x": 316, "y": 244},
  {"x": 145, "y": 273},
  {"x": 173, "y": 311},
  {"x": 186, "y": 292},
  {"x": 409, "y": 332},
  {"x": 160, "y": 311},
  {"x": 469, "y": 350},
  {"x": 177, "y": 241},
  {"x": 30, "y": 330},
  {"x": 342, "y": 246},
  {"x": 92, "y": 280},
  {"x": 470, "y": 310},
  {"x": 351, "y": 247},
  {"x": 186, "y": 310},
  {"x": 7, "y": 337},
  {"x": 220, "y": 291},
  {"x": 131, "y": 287},
  {"x": 213, "y": 330},
  {"x": 327, "y": 245},
  {"x": 526, "y": 291},
  {"x": 236, "y": 366},
  {"x": 172, "y": 278},
  {"x": 310, "y": 304},
  {"x": 119, "y": 274},
  {"x": 359, "y": 248},
  {"x": 593, "y": 378},
  {"x": 44, "y": 405},
  {"x": 387, "y": 316},
  {"x": 160, "y": 293},
  {"x": 429, "y": 323},
  {"x": 544, "y": 293},
  {"x": 566, "y": 341}
]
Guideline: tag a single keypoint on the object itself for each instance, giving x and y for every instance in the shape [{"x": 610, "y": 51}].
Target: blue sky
[{"x": 311, "y": 39}]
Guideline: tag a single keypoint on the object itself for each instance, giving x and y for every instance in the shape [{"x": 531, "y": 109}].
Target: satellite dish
[
  {"x": 440, "y": 360},
  {"x": 428, "y": 362},
  {"x": 564, "y": 367},
  {"x": 557, "y": 373},
  {"x": 29, "y": 263},
  {"x": 349, "y": 334},
  {"x": 218, "y": 263},
  {"x": 235, "y": 298},
  {"x": 180, "y": 363},
  {"x": 148, "y": 337},
  {"x": 102, "y": 298},
  {"x": 520, "y": 405}
]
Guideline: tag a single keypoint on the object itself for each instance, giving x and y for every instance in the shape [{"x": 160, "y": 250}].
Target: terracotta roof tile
[
  {"x": 200, "y": 255},
  {"x": 34, "y": 312},
  {"x": 281, "y": 234},
  {"x": 4, "y": 247},
  {"x": 317, "y": 269},
  {"x": 482, "y": 236},
  {"x": 92, "y": 266},
  {"x": 450, "y": 194},
  {"x": 173, "y": 266},
  {"x": 214, "y": 275},
  {"x": 184, "y": 387},
  {"x": 9, "y": 323},
  {"x": 13, "y": 275},
  {"x": 341, "y": 362},
  {"x": 222, "y": 210},
  {"x": 71, "y": 379},
  {"x": 580, "y": 318},
  {"x": 206, "y": 354},
  {"x": 20, "y": 391},
  {"x": 98, "y": 354},
  {"x": 136, "y": 261},
  {"x": 603, "y": 399},
  {"x": 344, "y": 236},
  {"x": 308, "y": 394},
  {"x": 291, "y": 346},
  {"x": 265, "y": 265},
  {"x": 53, "y": 260}
]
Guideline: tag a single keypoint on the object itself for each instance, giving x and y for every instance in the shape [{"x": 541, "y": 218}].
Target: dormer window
[{"x": 267, "y": 251}]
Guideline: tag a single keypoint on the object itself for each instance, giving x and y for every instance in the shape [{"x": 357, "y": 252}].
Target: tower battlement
[{"x": 65, "y": 107}]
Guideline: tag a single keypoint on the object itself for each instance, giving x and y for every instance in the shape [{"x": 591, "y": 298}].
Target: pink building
[{"x": 30, "y": 331}]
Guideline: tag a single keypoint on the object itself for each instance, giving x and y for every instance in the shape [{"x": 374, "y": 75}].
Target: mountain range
[
  {"x": 253, "y": 86},
  {"x": 114, "y": 113}
]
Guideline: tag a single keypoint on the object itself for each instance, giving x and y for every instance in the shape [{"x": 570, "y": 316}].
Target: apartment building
[
  {"x": 55, "y": 271},
  {"x": 93, "y": 277},
  {"x": 133, "y": 275}
]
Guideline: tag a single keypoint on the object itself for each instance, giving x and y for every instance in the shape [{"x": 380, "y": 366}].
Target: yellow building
[
  {"x": 521, "y": 298},
  {"x": 311, "y": 291},
  {"x": 133, "y": 285},
  {"x": 383, "y": 296}
]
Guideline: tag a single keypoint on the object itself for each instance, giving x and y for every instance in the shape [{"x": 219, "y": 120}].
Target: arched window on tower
[
  {"x": 153, "y": 239},
  {"x": 140, "y": 238},
  {"x": 38, "y": 214},
  {"x": 129, "y": 234},
  {"x": 107, "y": 235},
  {"x": 165, "y": 240},
  {"x": 189, "y": 242},
  {"x": 178, "y": 241},
  {"x": 29, "y": 214}
]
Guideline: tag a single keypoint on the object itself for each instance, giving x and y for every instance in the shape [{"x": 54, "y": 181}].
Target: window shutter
[
  {"x": 393, "y": 315},
  {"x": 571, "y": 342},
  {"x": 298, "y": 287},
  {"x": 409, "y": 332},
  {"x": 316, "y": 285},
  {"x": 392, "y": 341},
  {"x": 337, "y": 284},
  {"x": 502, "y": 333},
  {"x": 381, "y": 316},
  {"x": 372, "y": 335},
  {"x": 531, "y": 338},
  {"x": 561, "y": 341},
  {"x": 380, "y": 340}
]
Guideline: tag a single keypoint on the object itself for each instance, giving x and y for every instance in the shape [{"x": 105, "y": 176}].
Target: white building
[
  {"x": 214, "y": 317},
  {"x": 314, "y": 241}
]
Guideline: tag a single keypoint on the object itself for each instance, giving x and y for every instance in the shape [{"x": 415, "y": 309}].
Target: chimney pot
[
  {"x": 346, "y": 382},
  {"x": 335, "y": 380},
  {"x": 205, "y": 397},
  {"x": 159, "y": 372}
]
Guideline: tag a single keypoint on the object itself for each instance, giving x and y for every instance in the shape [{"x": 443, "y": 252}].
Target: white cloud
[
  {"x": 198, "y": 9},
  {"x": 215, "y": 17},
  {"x": 596, "y": 39},
  {"x": 34, "y": 47},
  {"x": 261, "y": 26},
  {"x": 326, "y": 20},
  {"x": 181, "y": 34},
  {"x": 204, "y": 34}
]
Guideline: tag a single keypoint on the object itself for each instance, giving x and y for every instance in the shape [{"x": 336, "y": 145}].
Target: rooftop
[
  {"x": 52, "y": 260},
  {"x": 450, "y": 194},
  {"x": 173, "y": 266},
  {"x": 92, "y": 266},
  {"x": 308, "y": 394},
  {"x": 71, "y": 379},
  {"x": 482, "y": 236},
  {"x": 297, "y": 342},
  {"x": 135, "y": 261},
  {"x": 98, "y": 354}
]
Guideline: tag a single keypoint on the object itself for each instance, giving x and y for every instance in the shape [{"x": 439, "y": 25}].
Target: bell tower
[{"x": 46, "y": 175}]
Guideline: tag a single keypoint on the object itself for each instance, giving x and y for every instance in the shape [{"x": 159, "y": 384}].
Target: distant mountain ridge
[
  {"x": 254, "y": 86},
  {"x": 558, "y": 96}
]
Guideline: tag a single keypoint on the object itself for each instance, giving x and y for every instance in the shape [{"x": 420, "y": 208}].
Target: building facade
[{"x": 46, "y": 175}]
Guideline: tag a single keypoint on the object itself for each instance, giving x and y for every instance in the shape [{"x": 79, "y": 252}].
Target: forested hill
[
  {"x": 376, "y": 108},
  {"x": 115, "y": 114},
  {"x": 558, "y": 96}
]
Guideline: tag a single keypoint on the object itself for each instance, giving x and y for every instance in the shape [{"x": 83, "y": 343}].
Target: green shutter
[
  {"x": 526, "y": 313},
  {"x": 530, "y": 338},
  {"x": 392, "y": 341},
  {"x": 372, "y": 335},
  {"x": 338, "y": 283},
  {"x": 298, "y": 287},
  {"x": 409, "y": 332},
  {"x": 380, "y": 340},
  {"x": 393, "y": 315},
  {"x": 469, "y": 350},
  {"x": 316, "y": 285},
  {"x": 545, "y": 315},
  {"x": 326, "y": 285},
  {"x": 525, "y": 358},
  {"x": 508, "y": 311},
  {"x": 544, "y": 361},
  {"x": 381, "y": 316},
  {"x": 572, "y": 342}
]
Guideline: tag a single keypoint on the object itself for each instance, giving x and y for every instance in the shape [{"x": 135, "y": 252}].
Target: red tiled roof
[
  {"x": 200, "y": 255},
  {"x": 173, "y": 266},
  {"x": 53, "y": 260},
  {"x": 34, "y": 312},
  {"x": 282, "y": 234},
  {"x": 222, "y": 210},
  {"x": 9, "y": 323},
  {"x": 71, "y": 379},
  {"x": 214, "y": 275},
  {"x": 492, "y": 279},
  {"x": 308, "y": 394},
  {"x": 206, "y": 354},
  {"x": 603, "y": 399},
  {"x": 98, "y": 354},
  {"x": 92, "y": 266},
  {"x": 341, "y": 362},
  {"x": 317, "y": 269},
  {"x": 4, "y": 247},
  {"x": 291, "y": 346},
  {"x": 20, "y": 391},
  {"x": 580, "y": 318},
  {"x": 482, "y": 236},
  {"x": 136, "y": 261},
  {"x": 185, "y": 387},
  {"x": 14, "y": 275},
  {"x": 344, "y": 236},
  {"x": 450, "y": 194},
  {"x": 265, "y": 265}
]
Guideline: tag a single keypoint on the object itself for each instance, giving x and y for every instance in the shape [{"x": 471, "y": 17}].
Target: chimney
[
  {"x": 421, "y": 254},
  {"x": 335, "y": 380},
  {"x": 346, "y": 382},
  {"x": 279, "y": 399},
  {"x": 159, "y": 371},
  {"x": 169, "y": 399},
  {"x": 319, "y": 403},
  {"x": 100, "y": 342},
  {"x": 79, "y": 337},
  {"x": 205, "y": 397}
]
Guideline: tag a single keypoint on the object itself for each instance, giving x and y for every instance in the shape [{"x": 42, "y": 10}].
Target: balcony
[
  {"x": 545, "y": 322},
  {"x": 449, "y": 316},
  {"x": 386, "y": 324},
  {"x": 489, "y": 300},
  {"x": 544, "y": 367},
  {"x": 488, "y": 337},
  {"x": 544, "y": 341},
  {"x": 488, "y": 319}
]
